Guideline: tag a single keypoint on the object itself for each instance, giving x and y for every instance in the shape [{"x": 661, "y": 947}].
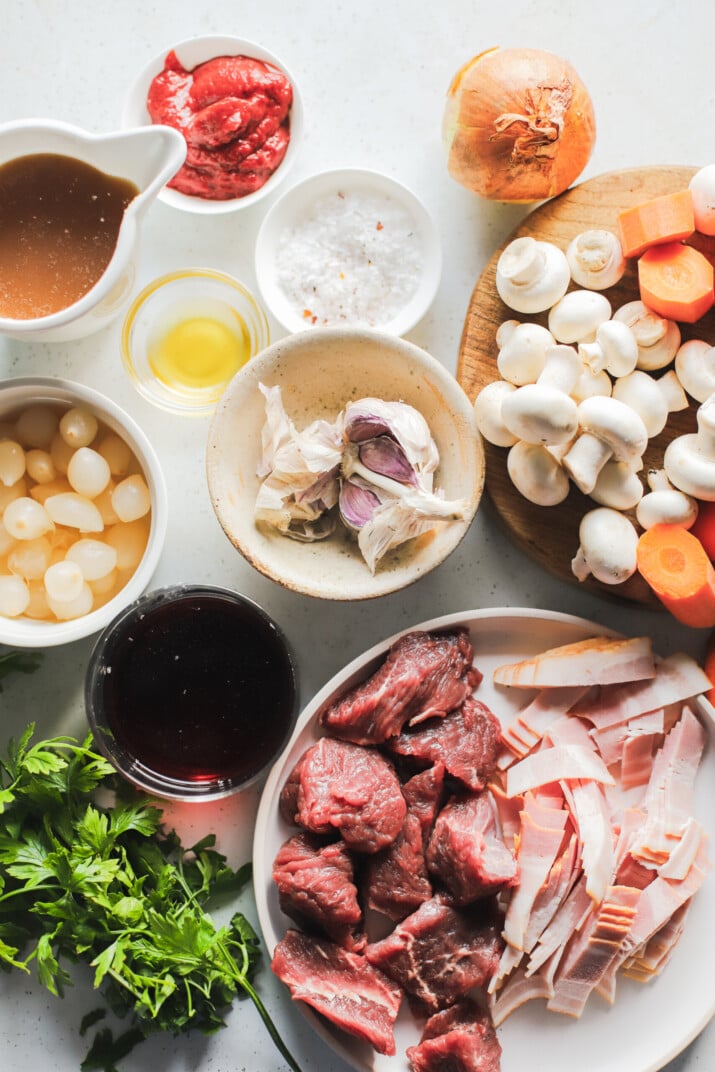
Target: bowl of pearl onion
[{"x": 83, "y": 511}]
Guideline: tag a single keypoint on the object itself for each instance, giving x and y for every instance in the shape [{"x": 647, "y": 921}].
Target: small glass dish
[
  {"x": 191, "y": 692},
  {"x": 187, "y": 334}
]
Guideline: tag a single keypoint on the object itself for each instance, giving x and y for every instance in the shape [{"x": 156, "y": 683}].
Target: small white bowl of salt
[{"x": 348, "y": 248}]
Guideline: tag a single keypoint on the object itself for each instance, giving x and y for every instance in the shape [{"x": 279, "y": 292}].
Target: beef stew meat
[
  {"x": 466, "y": 850},
  {"x": 425, "y": 675},
  {"x": 352, "y": 790},
  {"x": 316, "y": 888},
  {"x": 342, "y": 986},
  {"x": 466, "y": 740},
  {"x": 396, "y": 880},
  {"x": 440, "y": 953},
  {"x": 459, "y": 1039}
]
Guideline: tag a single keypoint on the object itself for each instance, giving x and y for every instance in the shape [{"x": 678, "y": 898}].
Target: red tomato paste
[{"x": 234, "y": 112}]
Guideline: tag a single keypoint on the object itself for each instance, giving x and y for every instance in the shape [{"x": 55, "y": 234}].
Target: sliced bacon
[
  {"x": 529, "y": 725},
  {"x": 595, "y": 661},
  {"x": 519, "y": 989},
  {"x": 561, "y": 763},
  {"x": 542, "y": 835}
]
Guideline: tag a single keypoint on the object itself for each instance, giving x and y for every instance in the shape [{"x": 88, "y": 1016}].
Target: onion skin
[{"x": 519, "y": 125}]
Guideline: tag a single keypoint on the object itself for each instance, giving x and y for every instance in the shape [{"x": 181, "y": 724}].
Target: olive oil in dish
[
  {"x": 59, "y": 223},
  {"x": 200, "y": 352},
  {"x": 191, "y": 691}
]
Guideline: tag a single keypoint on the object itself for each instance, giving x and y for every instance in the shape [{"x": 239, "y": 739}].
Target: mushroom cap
[
  {"x": 616, "y": 424},
  {"x": 488, "y": 413},
  {"x": 596, "y": 259},
  {"x": 695, "y": 368},
  {"x": 577, "y": 316},
  {"x": 617, "y": 486},
  {"x": 689, "y": 460},
  {"x": 640, "y": 392},
  {"x": 608, "y": 545},
  {"x": 522, "y": 356},
  {"x": 531, "y": 275},
  {"x": 536, "y": 474},
  {"x": 540, "y": 414}
]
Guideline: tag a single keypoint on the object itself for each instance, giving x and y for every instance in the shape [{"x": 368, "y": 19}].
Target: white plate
[
  {"x": 649, "y": 1024},
  {"x": 297, "y": 202}
]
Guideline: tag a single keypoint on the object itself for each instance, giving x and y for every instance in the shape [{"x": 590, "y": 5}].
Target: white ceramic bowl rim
[
  {"x": 293, "y": 201},
  {"x": 24, "y": 633},
  {"x": 191, "y": 52}
]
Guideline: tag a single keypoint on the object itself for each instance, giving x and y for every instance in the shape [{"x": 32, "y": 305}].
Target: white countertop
[{"x": 373, "y": 76}]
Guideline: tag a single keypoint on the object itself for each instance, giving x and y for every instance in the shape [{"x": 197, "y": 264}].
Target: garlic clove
[
  {"x": 385, "y": 456},
  {"x": 357, "y": 503},
  {"x": 368, "y": 418}
]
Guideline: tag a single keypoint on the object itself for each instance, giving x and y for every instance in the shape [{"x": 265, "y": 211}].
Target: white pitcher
[{"x": 148, "y": 156}]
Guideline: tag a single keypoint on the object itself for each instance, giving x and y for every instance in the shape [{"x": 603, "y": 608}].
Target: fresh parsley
[{"x": 106, "y": 885}]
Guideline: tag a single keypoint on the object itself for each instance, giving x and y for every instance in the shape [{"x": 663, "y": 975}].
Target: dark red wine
[{"x": 198, "y": 687}]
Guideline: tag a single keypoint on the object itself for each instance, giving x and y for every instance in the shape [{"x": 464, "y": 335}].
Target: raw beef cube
[
  {"x": 439, "y": 953},
  {"x": 459, "y": 1039},
  {"x": 424, "y": 675},
  {"x": 466, "y": 850},
  {"x": 466, "y": 740},
  {"x": 351, "y": 789},
  {"x": 316, "y": 888},
  {"x": 343, "y": 986},
  {"x": 288, "y": 800},
  {"x": 396, "y": 879}
]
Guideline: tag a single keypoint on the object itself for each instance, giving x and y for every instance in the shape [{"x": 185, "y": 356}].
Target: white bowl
[
  {"x": 295, "y": 205},
  {"x": 318, "y": 373},
  {"x": 16, "y": 395},
  {"x": 191, "y": 53}
]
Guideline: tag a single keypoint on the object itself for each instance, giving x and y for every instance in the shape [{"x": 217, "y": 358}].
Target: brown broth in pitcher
[{"x": 59, "y": 223}]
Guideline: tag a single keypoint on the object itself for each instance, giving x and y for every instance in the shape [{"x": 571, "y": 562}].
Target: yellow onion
[{"x": 519, "y": 125}]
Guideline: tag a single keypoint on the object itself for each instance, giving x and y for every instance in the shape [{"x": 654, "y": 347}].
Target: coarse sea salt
[{"x": 355, "y": 258}]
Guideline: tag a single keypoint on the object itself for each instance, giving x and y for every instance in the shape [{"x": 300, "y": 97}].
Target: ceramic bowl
[
  {"x": 15, "y": 397},
  {"x": 319, "y": 372},
  {"x": 335, "y": 239},
  {"x": 191, "y": 53},
  {"x": 176, "y": 299}
]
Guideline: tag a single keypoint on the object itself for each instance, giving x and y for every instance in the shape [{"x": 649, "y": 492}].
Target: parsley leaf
[{"x": 107, "y": 885}]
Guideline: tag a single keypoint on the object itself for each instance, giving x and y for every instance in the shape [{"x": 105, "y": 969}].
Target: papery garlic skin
[
  {"x": 300, "y": 470},
  {"x": 402, "y": 519}
]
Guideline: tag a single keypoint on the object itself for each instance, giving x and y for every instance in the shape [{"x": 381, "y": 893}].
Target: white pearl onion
[
  {"x": 12, "y": 462},
  {"x": 40, "y": 466},
  {"x": 26, "y": 519},
  {"x": 95, "y": 558},
  {"x": 78, "y": 427},
  {"x": 88, "y": 472},
  {"x": 14, "y": 596},
  {"x": 75, "y": 511},
  {"x": 63, "y": 582},
  {"x": 131, "y": 498},
  {"x": 66, "y": 609},
  {"x": 36, "y": 426}
]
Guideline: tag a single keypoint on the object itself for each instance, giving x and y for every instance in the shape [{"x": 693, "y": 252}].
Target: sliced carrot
[
  {"x": 662, "y": 219},
  {"x": 704, "y": 528},
  {"x": 676, "y": 282},
  {"x": 674, "y": 564}
]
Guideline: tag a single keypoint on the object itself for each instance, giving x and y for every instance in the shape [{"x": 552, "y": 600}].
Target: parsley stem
[{"x": 270, "y": 1026}]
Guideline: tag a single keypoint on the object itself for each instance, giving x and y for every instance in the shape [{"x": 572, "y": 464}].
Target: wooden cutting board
[{"x": 549, "y": 535}]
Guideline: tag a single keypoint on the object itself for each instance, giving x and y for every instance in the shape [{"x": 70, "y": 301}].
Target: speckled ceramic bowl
[{"x": 319, "y": 372}]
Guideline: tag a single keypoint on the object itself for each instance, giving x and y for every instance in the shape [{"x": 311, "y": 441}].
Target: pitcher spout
[{"x": 151, "y": 156}]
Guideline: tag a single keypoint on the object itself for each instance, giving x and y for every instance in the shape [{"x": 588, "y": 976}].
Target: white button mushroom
[
  {"x": 531, "y": 275},
  {"x": 543, "y": 412},
  {"x": 702, "y": 189},
  {"x": 614, "y": 349},
  {"x": 695, "y": 368},
  {"x": 488, "y": 415},
  {"x": 536, "y": 474},
  {"x": 652, "y": 399},
  {"x": 577, "y": 316},
  {"x": 664, "y": 504},
  {"x": 591, "y": 383},
  {"x": 596, "y": 259},
  {"x": 689, "y": 460},
  {"x": 658, "y": 339},
  {"x": 607, "y": 429},
  {"x": 617, "y": 486},
  {"x": 522, "y": 352},
  {"x": 607, "y": 549}
]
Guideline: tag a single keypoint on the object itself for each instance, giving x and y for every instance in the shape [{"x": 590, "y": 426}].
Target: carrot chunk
[
  {"x": 703, "y": 527},
  {"x": 662, "y": 219},
  {"x": 674, "y": 564},
  {"x": 676, "y": 282}
]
